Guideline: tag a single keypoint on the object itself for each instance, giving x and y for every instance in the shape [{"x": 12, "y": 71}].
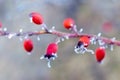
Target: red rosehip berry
[
  {"x": 100, "y": 54},
  {"x": 68, "y": 23},
  {"x": 51, "y": 50},
  {"x": 85, "y": 40},
  {"x": 107, "y": 26},
  {"x": 36, "y": 18},
  {"x": 0, "y": 24},
  {"x": 51, "y": 53},
  {"x": 83, "y": 43},
  {"x": 28, "y": 45}
]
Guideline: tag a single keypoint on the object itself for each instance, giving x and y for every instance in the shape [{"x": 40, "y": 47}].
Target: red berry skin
[
  {"x": 68, "y": 23},
  {"x": 107, "y": 26},
  {"x": 52, "y": 49},
  {"x": 0, "y": 24},
  {"x": 100, "y": 54},
  {"x": 85, "y": 40},
  {"x": 36, "y": 18},
  {"x": 28, "y": 45}
]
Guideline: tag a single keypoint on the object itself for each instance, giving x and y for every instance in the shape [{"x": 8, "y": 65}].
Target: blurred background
[{"x": 91, "y": 15}]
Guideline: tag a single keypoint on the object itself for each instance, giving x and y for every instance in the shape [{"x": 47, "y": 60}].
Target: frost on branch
[{"x": 81, "y": 47}]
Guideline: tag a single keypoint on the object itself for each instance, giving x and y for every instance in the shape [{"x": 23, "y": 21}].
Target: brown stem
[{"x": 62, "y": 34}]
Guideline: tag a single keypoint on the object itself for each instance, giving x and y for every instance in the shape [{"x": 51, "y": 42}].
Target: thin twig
[{"x": 61, "y": 34}]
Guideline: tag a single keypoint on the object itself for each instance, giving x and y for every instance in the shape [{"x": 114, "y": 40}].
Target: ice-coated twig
[
  {"x": 82, "y": 50},
  {"x": 48, "y": 63},
  {"x": 61, "y": 34}
]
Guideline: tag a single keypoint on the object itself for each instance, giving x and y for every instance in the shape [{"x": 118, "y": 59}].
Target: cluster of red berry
[
  {"x": 51, "y": 51},
  {"x": 85, "y": 40}
]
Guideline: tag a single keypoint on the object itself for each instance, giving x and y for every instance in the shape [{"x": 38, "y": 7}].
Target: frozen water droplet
[
  {"x": 53, "y": 28},
  {"x": 42, "y": 57},
  {"x": 81, "y": 30},
  {"x": 44, "y": 25},
  {"x": 26, "y": 37},
  {"x": 76, "y": 50},
  {"x": 111, "y": 47},
  {"x": 31, "y": 19},
  {"x": 113, "y": 39},
  {"x": 58, "y": 41},
  {"x": 28, "y": 53},
  {"x": 10, "y": 36},
  {"x": 38, "y": 38},
  {"x": 93, "y": 40},
  {"x": 53, "y": 58},
  {"x": 49, "y": 65},
  {"x": 90, "y": 51},
  {"x": 50, "y": 31},
  {"x": 43, "y": 28},
  {"x": 5, "y": 29},
  {"x": 101, "y": 43},
  {"x": 102, "y": 62},
  {"x": 21, "y": 39},
  {"x": 99, "y": 34},
  {"x": 55, "y": 54},
  {"x": 21, "y": 30},
  {"x": 67, "y": 37},
  {"x": 0, "y": 29},
  {"x": 62, "y": 39}
]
